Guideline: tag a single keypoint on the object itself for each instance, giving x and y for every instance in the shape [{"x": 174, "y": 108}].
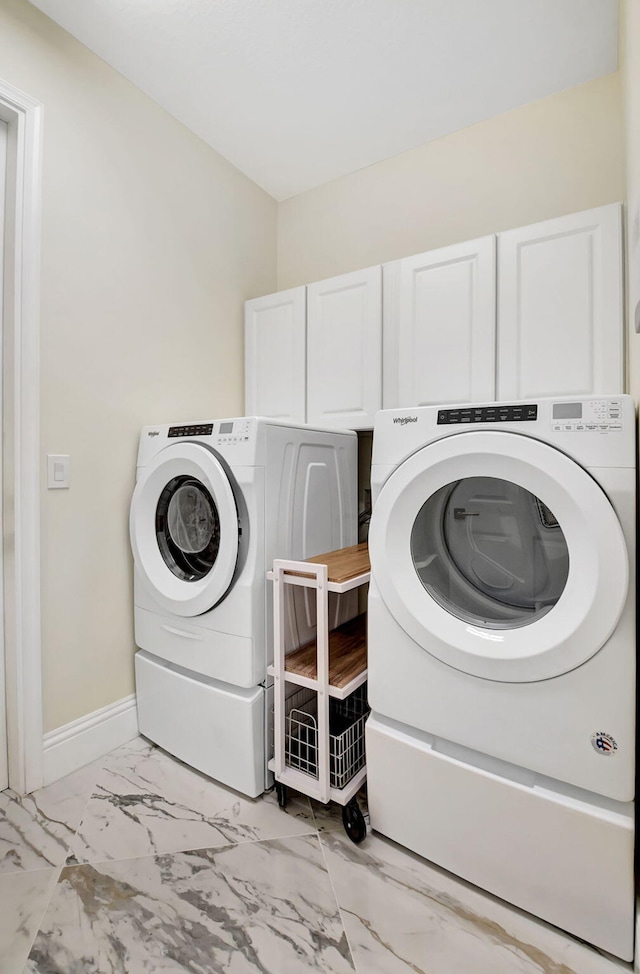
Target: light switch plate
[{"x": 58, "y": 470}]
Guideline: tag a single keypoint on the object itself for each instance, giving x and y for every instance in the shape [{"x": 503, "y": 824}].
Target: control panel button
[
  {"x": 488, "y": 414},
  {"x": 203, "y": 429}
]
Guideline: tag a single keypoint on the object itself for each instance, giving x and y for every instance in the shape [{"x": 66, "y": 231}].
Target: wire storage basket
[
  {"x": 301, "y": 732},
  {"x": 346, "y": 734}
]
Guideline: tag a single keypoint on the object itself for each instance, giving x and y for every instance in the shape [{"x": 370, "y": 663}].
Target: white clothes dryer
[
  {"x": 214, "y": 503},
  {"x": 502, "y": 651}
]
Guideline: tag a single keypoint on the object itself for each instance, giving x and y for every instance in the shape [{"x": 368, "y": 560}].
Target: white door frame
[{"x": 21, "y": 431}]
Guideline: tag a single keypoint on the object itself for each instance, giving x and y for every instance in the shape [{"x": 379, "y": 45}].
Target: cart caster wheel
[
  {"x": 353, "y": 821},
  {"x": 281, "y": 792}
]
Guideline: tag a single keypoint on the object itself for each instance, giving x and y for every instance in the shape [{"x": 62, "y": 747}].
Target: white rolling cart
[{"x": 320, "y": 702}]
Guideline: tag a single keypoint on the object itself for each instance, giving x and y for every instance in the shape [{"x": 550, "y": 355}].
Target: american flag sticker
[{"x": 603, "y": 743}]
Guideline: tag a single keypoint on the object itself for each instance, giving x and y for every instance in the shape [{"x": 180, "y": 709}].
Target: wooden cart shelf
[
  {"x": 346, "y": 569},
  {"x": 345, "y": 564},
  {"x": 347, "y": 655}
]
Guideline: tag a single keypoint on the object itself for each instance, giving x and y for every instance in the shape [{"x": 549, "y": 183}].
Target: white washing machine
[
  {"x": 214, "y": 503},
  {"x": 502, "y": 651}
]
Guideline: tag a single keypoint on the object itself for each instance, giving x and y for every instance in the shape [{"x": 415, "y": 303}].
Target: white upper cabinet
[
  {"x": 560, "y": 307},
  {"x": 344, "y": 339},
  {"x": 439, "y": 317},
  {"x": 275, "y": 356},
  {"x": 436, "y": 328}
]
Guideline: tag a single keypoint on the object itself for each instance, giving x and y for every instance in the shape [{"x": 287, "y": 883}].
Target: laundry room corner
[{"x": 151, "y": 242}]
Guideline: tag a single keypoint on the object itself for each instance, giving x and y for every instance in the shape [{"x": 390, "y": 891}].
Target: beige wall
[
  {"x": 630, "y": 72},
  {"x": 150, "y": 244},
  {"x": 554, "y": 156}
]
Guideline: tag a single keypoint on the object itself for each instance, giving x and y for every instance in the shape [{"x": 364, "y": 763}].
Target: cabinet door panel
[
  {"x": 275, "y": 356},
  {"x": 344, "y": 350},
  {"x": 440, "y": 339},
  {"x": 560, "y": 312}
]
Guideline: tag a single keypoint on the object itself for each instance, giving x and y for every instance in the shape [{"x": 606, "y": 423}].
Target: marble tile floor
[{"x": 139, "y": 865}]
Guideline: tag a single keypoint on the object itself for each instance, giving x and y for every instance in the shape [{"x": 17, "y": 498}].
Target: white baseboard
[{"x": 83, "y": 740}]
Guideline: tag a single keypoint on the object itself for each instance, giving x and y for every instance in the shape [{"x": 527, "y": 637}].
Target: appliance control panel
[
  {"x": 590, "y": 416},
  {"x": 517, "y": 413},
  {"x": 199, "y": 429},
  {"x": 227, "y": 432},
  {"x": 232, "y": 432}
]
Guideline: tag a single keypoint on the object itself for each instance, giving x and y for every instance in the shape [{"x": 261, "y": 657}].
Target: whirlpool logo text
[{"x": 403, "y": 420}]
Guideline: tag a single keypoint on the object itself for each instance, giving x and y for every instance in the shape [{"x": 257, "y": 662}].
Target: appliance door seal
[{"x": 184, "y": 529}]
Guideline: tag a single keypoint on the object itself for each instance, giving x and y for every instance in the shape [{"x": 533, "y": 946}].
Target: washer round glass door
[
  {"x": 184, "y": 529},
  {"x": 499, "y": 555},
  {"x": 188, "y": 528}
]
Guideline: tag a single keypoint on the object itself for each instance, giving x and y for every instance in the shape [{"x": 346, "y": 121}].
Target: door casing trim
[{"x": 21, "y": 434}]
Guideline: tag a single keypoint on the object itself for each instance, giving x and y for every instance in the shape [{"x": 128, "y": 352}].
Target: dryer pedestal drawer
[
  {"x": 222, "y": 656},
  {"x": 213, "y": 727},
  {"x": 560, "y": 858}
]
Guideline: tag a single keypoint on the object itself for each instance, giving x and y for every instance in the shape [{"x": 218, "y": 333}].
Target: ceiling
[{"x": 298, "y": 92}]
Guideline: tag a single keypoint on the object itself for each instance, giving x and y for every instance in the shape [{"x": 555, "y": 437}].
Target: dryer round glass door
[
  {"x": 499, "y": 555},
  {"x": 490, "y": 552},
  {"x": 184, "y": 529}
]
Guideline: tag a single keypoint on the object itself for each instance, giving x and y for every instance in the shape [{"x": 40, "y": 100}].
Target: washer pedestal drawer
[
  {"x": 213, "y": 727},
  {"x": 563, "y": 858}
]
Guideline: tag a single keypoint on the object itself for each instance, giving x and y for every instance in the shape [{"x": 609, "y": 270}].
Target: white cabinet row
[{"x": 536, "y": 311}]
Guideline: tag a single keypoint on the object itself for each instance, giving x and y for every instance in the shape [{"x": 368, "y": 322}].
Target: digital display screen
[
  {"x": 567, "y": 410},
  {"x": 226, "y": 427}
]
